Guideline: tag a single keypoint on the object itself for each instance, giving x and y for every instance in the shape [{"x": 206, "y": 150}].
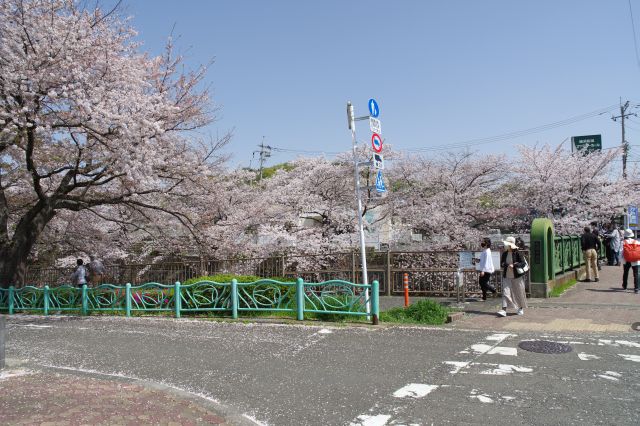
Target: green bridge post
[
  {"x": 177, "y": 298},
  {"x": 300, "y": 299},
  {"x": 542, "y": 256},
  {"x": 85, "y": 300},
  {"x": 127, "y": 302},
  {"x": 12, "y": 291},
  {"x": 234, "y": 298},
  {"x": 46, "y": 300},
  {"x": 375, "y": 301}
]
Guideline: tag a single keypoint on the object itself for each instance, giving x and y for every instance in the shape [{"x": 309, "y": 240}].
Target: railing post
[
  {"x": 389, "y": 278},
  {"x": 300, "y": 299},
  {"x": 405, "y": 288},
  {"x": 375, "y": 301},
  {"x": 177, "y": 298},
  {"x": 234, "y": 298},
  {"x": 85, "y": 300},
  {"x": 12, "y": 291},
  {"x": 127, "y": 296},
  {"x": 46, "y": 300}
]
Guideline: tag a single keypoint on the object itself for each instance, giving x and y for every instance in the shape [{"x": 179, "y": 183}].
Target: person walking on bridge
[
  {"x": 512, "y": 263},
  {"x": 590, "y": 244}
]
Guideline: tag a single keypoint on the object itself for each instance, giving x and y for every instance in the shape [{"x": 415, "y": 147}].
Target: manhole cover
[{"x": 544, "y": 347}]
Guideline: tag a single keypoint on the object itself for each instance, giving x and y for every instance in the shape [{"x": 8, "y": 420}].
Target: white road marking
[
  {"x": 414, "y": 390},
  {"x": 587, "y": 357},
  {"x": 634, "y": 358},
  {"x": 378, "y": 420},
  {"x": 481, "y": 348},
  {"x": 5, "y": 374},
  {"x": 500, "y": 336},
  {"x": 604, "y": 376},
  {"x": 33, "y": 326},
  {"x": 458, "y": 365},
  {"x": 504, "y": 369},
  {"x": 628, "y": 343},
  {"x": 503, "y": 350},
  {"x": 483, "y": 398},
  {"x": 325, "y": 331}
]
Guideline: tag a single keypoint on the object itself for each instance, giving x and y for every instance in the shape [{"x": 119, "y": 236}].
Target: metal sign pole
[{"x": 356, "y": 175}]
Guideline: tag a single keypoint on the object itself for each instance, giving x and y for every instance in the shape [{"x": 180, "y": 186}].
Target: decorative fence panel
[
  {"x": 431, "y": 273},
  {"x": 329, "y": 297}
]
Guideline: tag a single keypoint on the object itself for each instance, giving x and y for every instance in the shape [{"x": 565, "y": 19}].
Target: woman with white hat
[
  {"x": 628, "y": 244},
  {"x": 513, "y": 293}
]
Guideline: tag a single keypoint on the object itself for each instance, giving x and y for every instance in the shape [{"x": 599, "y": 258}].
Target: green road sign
[{"x": 587, "y": 144}]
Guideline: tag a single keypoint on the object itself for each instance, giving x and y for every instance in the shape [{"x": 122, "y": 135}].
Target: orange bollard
[{"x": 405, "y": 286}]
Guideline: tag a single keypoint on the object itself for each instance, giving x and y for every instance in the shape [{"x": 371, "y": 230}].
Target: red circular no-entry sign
[{"x": 376, "y": 143}]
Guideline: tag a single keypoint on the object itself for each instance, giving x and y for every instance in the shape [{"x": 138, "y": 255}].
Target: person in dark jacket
[
  {"x": 513, "y": 292},
  {"x": 590, "y": 244}
]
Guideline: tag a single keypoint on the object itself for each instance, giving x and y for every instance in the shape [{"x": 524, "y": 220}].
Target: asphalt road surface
[{"x": 336, "y": 375}]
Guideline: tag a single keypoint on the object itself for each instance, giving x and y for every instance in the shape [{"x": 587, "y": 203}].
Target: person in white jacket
[
  {"x": 486, "y": 268},
  {"x": 628, "y": 240}
]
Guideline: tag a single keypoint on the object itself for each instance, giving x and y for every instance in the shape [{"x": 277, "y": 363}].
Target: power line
[
  {"x": 301, "y": 151},
  {"x": 516, "y": 134},
  {"x": 635, "y": 38}
]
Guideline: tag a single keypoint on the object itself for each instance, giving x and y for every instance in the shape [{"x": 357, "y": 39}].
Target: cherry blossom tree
[
  {"x": 573, "y": 189},
  {"x": 450, "y": 199},
  {"x": 87, "y": 121}
]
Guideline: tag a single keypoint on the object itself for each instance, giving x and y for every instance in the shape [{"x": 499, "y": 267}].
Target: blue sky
[{"x": 443, "y": 72}]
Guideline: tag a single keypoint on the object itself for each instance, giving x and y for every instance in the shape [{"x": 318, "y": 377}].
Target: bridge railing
[
  {"x": 568, "y": 253},
  {"x": 334, "y": 297}
]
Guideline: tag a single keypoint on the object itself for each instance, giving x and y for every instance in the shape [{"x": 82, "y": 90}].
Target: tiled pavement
[{"x": 30, "y": 397}]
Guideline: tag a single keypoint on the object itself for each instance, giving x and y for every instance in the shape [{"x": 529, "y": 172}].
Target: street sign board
[
  {"x": 380, "y": 183},
  {"x": 586, "y": 144},
  {"x": 632, "y": 212},
  {"x": 376, "y": 143},
  {"x": 374, "y": 125},
  {"x": 378, "y": 161},
  {"x": 374, "y": 110}
]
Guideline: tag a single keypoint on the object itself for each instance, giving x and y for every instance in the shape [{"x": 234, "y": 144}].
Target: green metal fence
[
  {"x": 568, "y": 254},
  {"x": 335, "y": 297}
]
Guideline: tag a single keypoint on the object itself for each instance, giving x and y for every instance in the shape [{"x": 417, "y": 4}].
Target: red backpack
[{"x": 631, "y": 250}]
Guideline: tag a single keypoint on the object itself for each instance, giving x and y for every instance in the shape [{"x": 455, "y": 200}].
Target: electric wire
[
  {"x": 635, "y": 38},
  {"x": 473, "y": 142},
  {"x": 516, "y": 134}
]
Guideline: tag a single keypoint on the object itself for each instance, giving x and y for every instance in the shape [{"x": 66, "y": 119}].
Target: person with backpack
[{"x": 631, "y": 254}]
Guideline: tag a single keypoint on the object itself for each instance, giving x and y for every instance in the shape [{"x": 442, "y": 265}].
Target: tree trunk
[{"x": 14, "y": 254}]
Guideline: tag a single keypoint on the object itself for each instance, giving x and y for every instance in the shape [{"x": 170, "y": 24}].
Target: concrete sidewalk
[
  {"x": 49, "y": 397},
  {"x": 588, "y": 306}
]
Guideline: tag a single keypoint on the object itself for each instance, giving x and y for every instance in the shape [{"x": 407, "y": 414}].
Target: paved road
[{"x": 315, "y": 375}]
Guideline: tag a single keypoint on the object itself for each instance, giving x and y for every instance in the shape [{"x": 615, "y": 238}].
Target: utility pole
[
  {"x": 265, "y": 152},
  {"x": 625, "y": 145}
]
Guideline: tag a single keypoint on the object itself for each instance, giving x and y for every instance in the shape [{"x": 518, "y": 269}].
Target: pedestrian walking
[
  {"x": 631, "y": 253},
  {"x": 79, "y": 276},
  {"x": 590, "y": 243},
  {"x": 615, "y": 245},
  {"x": 96, "y": 270},
  {"x": 514, "y": 266},
  {"x": 486, "y": 268},
  {"x": 597, "y": 234}
]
